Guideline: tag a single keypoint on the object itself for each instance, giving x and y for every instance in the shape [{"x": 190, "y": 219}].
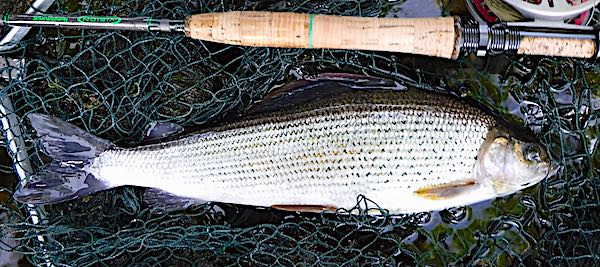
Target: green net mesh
[{"x": 114, "y": 84}]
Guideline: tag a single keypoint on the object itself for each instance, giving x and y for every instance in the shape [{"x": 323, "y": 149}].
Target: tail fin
[{"x": 68, "y": 176}]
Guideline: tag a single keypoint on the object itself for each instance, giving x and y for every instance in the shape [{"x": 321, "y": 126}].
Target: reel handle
[{"x": 435, "y": 37}]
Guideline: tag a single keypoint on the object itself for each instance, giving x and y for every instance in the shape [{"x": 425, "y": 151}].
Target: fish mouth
[{"x": 553, "y": 169}]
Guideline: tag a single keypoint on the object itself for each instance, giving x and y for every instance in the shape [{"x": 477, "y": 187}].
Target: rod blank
[{"x": 94, "y": 22}]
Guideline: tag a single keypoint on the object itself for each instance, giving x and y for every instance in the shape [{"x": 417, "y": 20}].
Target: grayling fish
[{"x": 313, "y": 148}]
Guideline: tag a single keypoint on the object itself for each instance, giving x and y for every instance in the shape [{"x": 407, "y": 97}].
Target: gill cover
[{"x": 508, "y": 165}]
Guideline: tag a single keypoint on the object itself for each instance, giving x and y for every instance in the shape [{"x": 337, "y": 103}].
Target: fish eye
[
  {"x": 534, "y": 156},
  {"x": 532, "y": 153}
]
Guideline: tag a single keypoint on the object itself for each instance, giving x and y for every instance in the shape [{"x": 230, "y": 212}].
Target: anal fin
[
  {"x": 446, "y": 191},
  {"x": 304, "y": 208},
  {"x": 163, "y": 202}
]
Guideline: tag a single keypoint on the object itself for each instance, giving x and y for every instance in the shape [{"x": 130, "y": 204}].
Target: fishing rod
[{"x": 446, "y": 37}]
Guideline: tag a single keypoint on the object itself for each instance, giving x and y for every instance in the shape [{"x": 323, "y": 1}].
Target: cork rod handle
[
  {"x": 436, "y": 37},
  {"x": 560, "y": 47}
]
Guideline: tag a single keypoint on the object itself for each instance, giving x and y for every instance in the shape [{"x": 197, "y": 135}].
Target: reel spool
[{"x": 553, "y": 12}]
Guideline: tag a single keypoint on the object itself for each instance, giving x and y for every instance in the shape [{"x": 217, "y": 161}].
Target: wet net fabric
[{"x": 114, "y": 84}]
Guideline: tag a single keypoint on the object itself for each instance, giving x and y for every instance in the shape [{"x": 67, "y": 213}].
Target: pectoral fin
[
  {"x": 446, "y": 191},
  {"x": 304, "y": 208}
]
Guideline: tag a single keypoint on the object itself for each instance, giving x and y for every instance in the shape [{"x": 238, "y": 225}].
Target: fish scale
[{"x": 322, "y": 153}]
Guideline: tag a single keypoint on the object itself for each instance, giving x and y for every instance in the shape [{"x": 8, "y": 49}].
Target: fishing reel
[
  {"x": 499, "y": 25},
  {"x": 541, "y": 13}
]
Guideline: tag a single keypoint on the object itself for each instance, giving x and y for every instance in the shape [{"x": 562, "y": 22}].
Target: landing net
[{"x": 113, "y": 84}]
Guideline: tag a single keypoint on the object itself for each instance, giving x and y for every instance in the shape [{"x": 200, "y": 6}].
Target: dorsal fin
[
  {"x": 323, "y": 86},
  {"x": 160, "y": 131}
]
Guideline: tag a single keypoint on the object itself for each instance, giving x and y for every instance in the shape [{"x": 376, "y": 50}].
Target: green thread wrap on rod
[{"x": 311, "y": 18}]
